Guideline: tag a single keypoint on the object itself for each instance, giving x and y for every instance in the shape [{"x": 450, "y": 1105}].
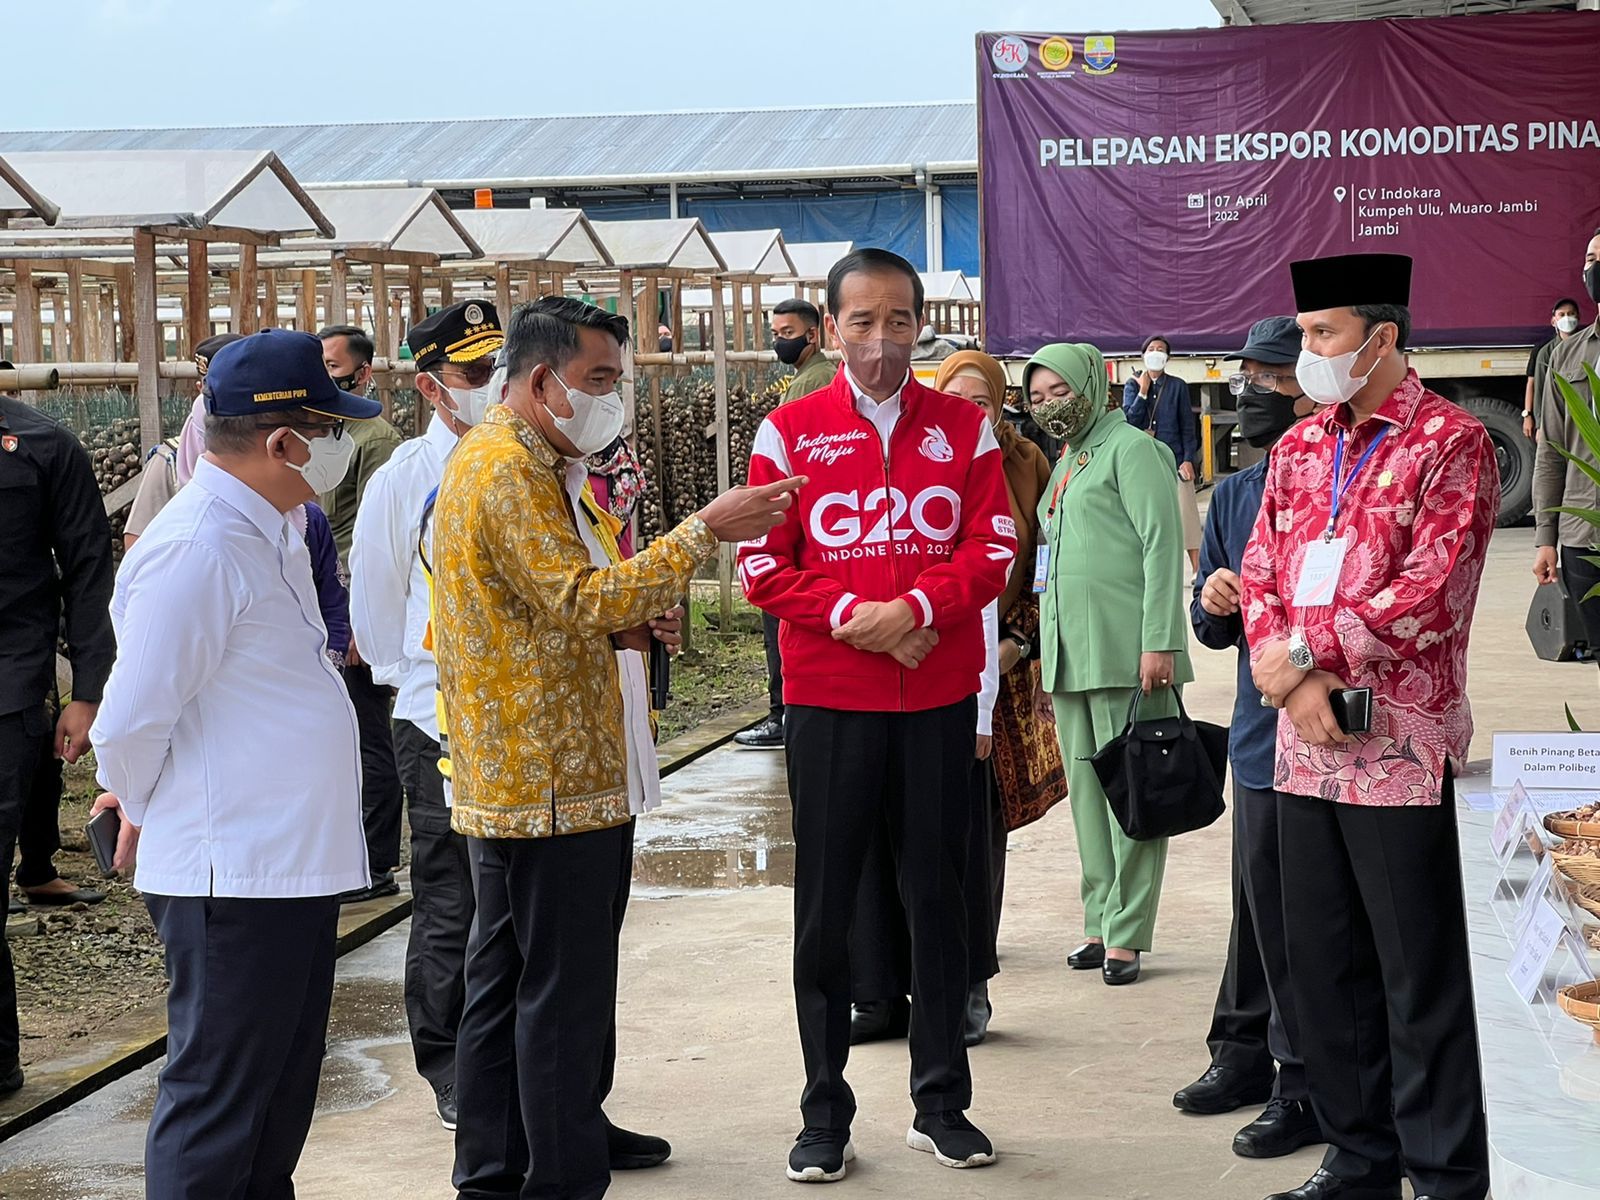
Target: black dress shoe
[
  {"x": 50, "y": 899},
  {"x": 381, "y": 885},
  {"x": 979, "y": 1010},
  {"x": 635, "y": 1151},
  {"x": 1087, "y": 957},
  {"x": 11, "y": 1080},
  {"x": 766, "y": 736},
  {"x": 879, "y": 1020},
  {"x": 1117, "y": 972},
  {"x": 1283, "y": 1128},
  {"x": 1325, "y": 1185},
  {"x": 1221, "y": 1090}
]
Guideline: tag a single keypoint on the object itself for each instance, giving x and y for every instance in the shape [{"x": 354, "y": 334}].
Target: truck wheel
[{"x": 1513, "y": 453}]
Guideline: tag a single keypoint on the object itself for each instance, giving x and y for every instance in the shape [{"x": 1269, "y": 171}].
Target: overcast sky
[{"x": 117, "y": 63}]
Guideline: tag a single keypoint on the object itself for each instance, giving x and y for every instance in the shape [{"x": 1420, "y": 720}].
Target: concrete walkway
[{"x": 1074, "y": 1084}]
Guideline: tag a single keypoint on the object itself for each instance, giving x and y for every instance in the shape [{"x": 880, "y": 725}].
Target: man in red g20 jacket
[{"x": 880, "y": 576}]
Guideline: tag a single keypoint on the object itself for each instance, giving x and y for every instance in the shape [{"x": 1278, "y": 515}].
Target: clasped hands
[
  {"x": 888, "y": 627},
  {"x": 666, "y": 629},
  {"x": 1303, "y": 694}
]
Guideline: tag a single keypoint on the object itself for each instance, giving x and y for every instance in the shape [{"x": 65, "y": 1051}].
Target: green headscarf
[{"x": 1084, "y": 369}]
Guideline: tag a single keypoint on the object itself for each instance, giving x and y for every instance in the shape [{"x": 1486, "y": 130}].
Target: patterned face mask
[{"x": 1064, "y": 417}]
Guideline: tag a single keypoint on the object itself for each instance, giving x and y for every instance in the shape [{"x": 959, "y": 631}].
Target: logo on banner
[
  {"x": 1055, "y": 54},
  {"x": 1009, "y": 54},
  {"x": 1100, "y": 54}
]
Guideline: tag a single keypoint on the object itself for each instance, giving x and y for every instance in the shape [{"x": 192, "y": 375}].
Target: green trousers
[{"x": 1121, "y": 877}]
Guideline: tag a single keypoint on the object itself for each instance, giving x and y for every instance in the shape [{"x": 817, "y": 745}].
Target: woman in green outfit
[{"x": 1111, "y": 620}]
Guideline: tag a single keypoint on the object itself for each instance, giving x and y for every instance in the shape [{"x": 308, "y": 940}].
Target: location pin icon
[{"x": 1339, "y": 194}]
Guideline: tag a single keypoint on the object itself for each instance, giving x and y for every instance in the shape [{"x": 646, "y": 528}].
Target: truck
[{"x": 1133, "y": 184}]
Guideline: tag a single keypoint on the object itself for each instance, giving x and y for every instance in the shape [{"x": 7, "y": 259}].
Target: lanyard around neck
[{"x": 1340, "y": 486}]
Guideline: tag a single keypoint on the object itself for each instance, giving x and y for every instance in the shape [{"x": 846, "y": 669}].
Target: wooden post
[
  {"x": 381, "y": 331},
  {"x": 339, "y": 292},
  {"x": 305, "y": 317},
  {"x": 26, "y": 338},
  {"x": 719, "y": 375},
  {"x": 249, "y": 278},
  {"x": 106, "y": 347},
  {"x": 199, "y": 305},
  {"x": 78, "y": 330},
  {"x": 530, "y": 286},
  {"x": 414, "y": 287},
  {"x": 58, "y": 327},
  {"x": 635, "y": 343},
  {"x": 758, "y": 332},
  {"x": 677, "y": 317},
  {"x": 738, "y": 310},
  {"x": 147, "y": 341},
  {"x": 502, "y": 290},
  {"x": 645, "y": 314},
  {"x": 269, "y": 301},
  {"x": 447, "y": 295},
  {"x": 125, "y": 319}
]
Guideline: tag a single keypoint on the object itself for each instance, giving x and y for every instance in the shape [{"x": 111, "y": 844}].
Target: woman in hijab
[
  {"x": 1017, "y": 776},
  {"x": 1112, "y": 620}
]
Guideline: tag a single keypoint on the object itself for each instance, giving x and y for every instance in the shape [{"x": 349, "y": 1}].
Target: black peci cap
[{"x": 1347, "y": 280}]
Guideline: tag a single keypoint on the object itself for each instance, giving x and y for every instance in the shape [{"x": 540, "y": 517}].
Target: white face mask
[
  {"x": 330, "y": 459},
  {"x": 471, "y": 403},
  {"x": 1567, "y": 324},
  {"x": 1328, "y": 380},
  {"x": 595, "y": 420},
  {"x": 1154, "y": 360}
]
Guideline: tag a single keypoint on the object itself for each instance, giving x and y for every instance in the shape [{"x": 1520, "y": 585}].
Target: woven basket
[
  {"x": 1583, "y": 868},
  {"x": 1565, "y": 826},
  {"x": 1581, "y": 1002},
  {"x": 1589, "y": 899}
]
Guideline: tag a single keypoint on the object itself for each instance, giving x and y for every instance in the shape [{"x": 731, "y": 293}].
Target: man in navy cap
[
  {"x": 1254, "y": 1059},
  {"x": 228, "y": 744},
  {"x": 1362, "y": 572}
]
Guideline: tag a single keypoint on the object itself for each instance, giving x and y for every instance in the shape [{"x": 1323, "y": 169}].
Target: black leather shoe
[
  {"x": 766, "y": 736},
  {"x": 879, "y": 1021},
  {"x": 979, "y": 1010},
  {"x": 1117, "y": 972},
  {"x": 1325, "y": 1185},
  {"x": 1221, "y": 1090},
  {"x": 1283, "y": 1128},
  {"x": 1087, "y": 957},
  {"x": 635, "y": 1151},
  {"x": 381, "y": 885},
  {"x": 11, "y": 1080}
]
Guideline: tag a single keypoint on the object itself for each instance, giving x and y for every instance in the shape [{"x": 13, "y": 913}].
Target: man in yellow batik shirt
[{"x": 545, "y": 756}]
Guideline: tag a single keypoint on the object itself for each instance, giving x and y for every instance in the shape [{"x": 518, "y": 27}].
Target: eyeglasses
[
  {"x": 335, "y": 428},
  {"x": 474, "y": 374},
  {"x": 1264, "y": 381}
]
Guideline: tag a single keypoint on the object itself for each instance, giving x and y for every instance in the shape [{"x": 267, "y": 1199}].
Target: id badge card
[
  {"x": 1041, "y": 570},
  {"x": 1319, "y": 573}
]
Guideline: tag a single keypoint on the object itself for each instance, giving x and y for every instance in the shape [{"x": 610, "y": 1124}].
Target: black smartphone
[
  {"x": 1352, "y": 709},
  {"x": 103, "y": 829}
]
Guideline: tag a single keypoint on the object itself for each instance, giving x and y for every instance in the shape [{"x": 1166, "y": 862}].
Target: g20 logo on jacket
[
  {"x": 936, "y": 447},
  {"x": 849, "y": 525}
]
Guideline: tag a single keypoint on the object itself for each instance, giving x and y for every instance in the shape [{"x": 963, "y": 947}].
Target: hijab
[{"x": 1084, "y": 369}]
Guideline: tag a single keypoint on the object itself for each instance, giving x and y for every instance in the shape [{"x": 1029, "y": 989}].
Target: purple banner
[{"x": 1136, "y": 184}]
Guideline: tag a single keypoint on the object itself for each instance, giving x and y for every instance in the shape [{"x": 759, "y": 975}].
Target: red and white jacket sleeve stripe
[
  {"x": 985, "y": 547},
  {"x": 772, "y": 580}
]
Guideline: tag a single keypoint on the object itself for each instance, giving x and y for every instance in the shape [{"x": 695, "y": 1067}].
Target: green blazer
[{"x": 1117, "y": 562}]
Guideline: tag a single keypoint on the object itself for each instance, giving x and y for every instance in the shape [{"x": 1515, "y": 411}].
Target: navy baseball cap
[
  {"x": 1274, "y": 341},
  {"x": 278, "y": 369}
]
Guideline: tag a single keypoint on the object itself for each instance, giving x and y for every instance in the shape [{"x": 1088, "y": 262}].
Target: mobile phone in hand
[
  {"x": 103, "y": 830},
  {"x": 1352, "y": 709}
]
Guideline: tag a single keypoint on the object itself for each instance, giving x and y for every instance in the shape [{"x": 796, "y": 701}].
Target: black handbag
[{"x": 1163, "y": 777}]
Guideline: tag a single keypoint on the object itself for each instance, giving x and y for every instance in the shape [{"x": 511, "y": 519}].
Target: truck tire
[{"x": 1513, "y": 454}]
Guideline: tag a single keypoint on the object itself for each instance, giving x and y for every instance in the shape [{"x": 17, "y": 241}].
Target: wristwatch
[
  {"x": 1300, "y": 657},
  {"x": 1023, "y": 645}
]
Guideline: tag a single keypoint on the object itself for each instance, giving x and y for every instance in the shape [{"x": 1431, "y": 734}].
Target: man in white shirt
[
  {"x": 228, "y": 743},
  {"x": 454, "y": 351}
]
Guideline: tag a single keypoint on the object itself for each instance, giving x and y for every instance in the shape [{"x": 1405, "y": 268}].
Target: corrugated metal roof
[
  {"x": 1289, "y": 12},
  {"x": 777, "y": 143}
]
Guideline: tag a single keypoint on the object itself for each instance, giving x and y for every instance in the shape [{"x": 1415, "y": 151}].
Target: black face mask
[
  {"x": 1264, "y": 417},
  {"x": 789, "y": 350},
  {"x": 1591, "y": 281}
]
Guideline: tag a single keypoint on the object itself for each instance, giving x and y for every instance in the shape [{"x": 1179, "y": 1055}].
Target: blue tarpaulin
[{"x": 960, "y": 229}]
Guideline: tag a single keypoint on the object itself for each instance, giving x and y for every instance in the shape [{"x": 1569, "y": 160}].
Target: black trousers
[
  {"x": 40, "y": 836},
  {"x": 26, "y": 756},
  {"x": 849, "y": 772},
  {"x": 441, "y": 910},
  {"x": 769, "y": 635},
  {"x": 1382, "y": 987},
  {"x": 880, "y": 940},
  {"x": 538, "y": 1043},
  {"x": 249, "y": 986},
  {"x": 1253, "y": 1025},
  {"x": 1578, "y": 577},
  {"x": 380, "y": 775}
]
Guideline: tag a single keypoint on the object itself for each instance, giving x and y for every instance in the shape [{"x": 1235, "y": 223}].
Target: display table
[{"x": 1541, "y": 1069}]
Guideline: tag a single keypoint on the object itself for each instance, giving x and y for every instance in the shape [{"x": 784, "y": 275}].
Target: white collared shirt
[
  {"x": 225, "y": 731},
  {"x": 644, "y": 777},
  {"x": 388, "y": 588},
  {"x": 884, "y": 414}
]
